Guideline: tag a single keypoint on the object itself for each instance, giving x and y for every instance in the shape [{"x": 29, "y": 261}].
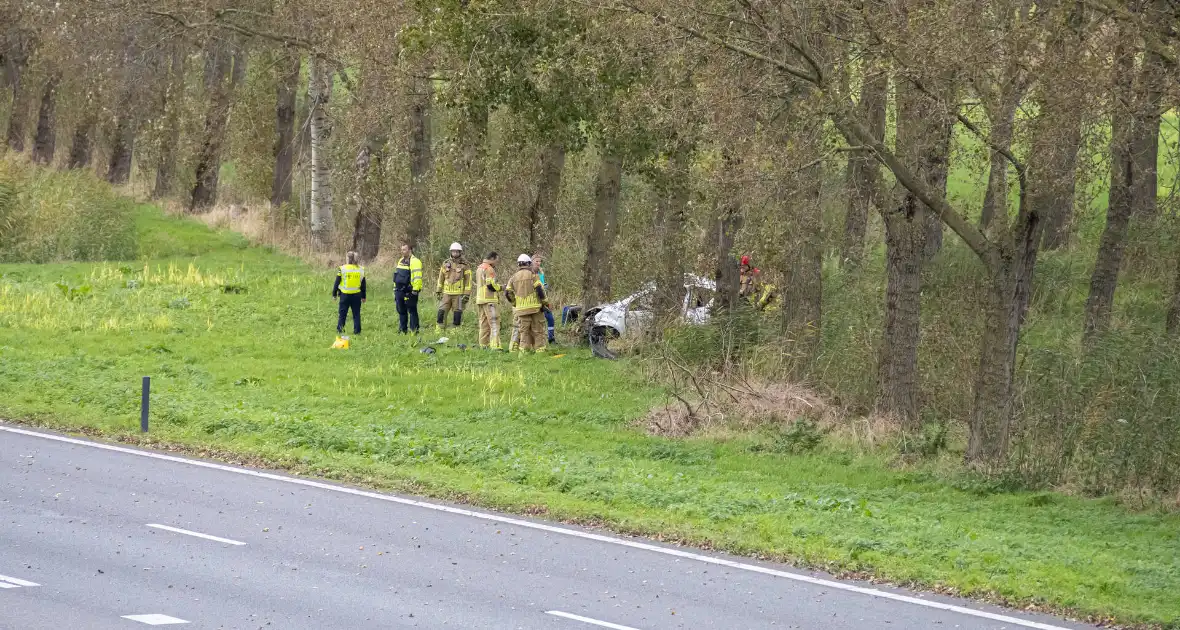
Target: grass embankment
[{"x": 247, "y": 370}]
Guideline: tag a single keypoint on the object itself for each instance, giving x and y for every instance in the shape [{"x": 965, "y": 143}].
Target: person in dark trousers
[
  {"x": 349, "y": 290},
  {"x": 407, "y": 284}
]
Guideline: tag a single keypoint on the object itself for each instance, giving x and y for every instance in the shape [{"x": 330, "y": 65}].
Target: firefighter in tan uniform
[
  {"x": 487, "y": 300},
  {"x": 528, "y": 298},
  {"x": 453, "y": 288},
  {"x": 750, "y": 280}
]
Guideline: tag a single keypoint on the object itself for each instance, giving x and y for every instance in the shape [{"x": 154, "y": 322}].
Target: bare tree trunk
[
  {"x": 82, "y": 147},
  {"x": 543, "y": 212},
  {"x": 288, "y": 86},
  {"x": 727, "y": 274},
  {"x": 596, "y": 278},
  {"x": 906, "y": 232},
  {"x": 672, "y": 213},
  {"x": 473, "y": 195},
  {"x": 935, "y": 170},
  {"x": 1173, "y": 321},
  {"x": 1057, "y": 132},
  {"x": 366, "y": 231},
  {"x": 1104, "y": 279},
  {"x": 171, "y": 105},
  {"x": 995, "y": 200},
  {"x": 319, "y": 91},
  {"x": 223, "y": 71},
  {"x": 123, "y": 147},
  {"x": 1053, "y": 161},
  {"x": 802, "y": 293},
  {"x": 421, "y": 163},
  {"x": 1009, "y": 292},
  {"x": 864, "y": 173},
  {"x": 16, "y": 60},
  {"x": 897, "y": 369},
  {"x": 1145, "y": 145},
  {"x": 45, "y": 142}
]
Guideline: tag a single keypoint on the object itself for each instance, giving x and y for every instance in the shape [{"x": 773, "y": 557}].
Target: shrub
[{"x": 54, "y": 216}]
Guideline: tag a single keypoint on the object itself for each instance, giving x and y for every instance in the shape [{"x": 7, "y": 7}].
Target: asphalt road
[{"x": 89, "y": 540}]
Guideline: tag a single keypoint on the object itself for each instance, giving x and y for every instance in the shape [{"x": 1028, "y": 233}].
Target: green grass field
[{"x": 246, "y": 372}]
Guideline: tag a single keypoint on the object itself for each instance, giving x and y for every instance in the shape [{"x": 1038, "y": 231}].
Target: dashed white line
[
  {"x": 155, "y": 619},
  {"x": 553, "y": 529},
  {"x": 593, "y": 622},
  {"x": 11, "y": 582},
  {"x": 197, "y": 534}
]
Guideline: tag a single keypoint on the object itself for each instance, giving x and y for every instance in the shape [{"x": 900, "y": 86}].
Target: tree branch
[
  {"x": 794, "y": 71},
  {"x": 230, "y": 26},
  {"x": 854, "y": 133}
]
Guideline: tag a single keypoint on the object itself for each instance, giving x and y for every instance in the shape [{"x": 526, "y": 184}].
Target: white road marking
[
  {"x": 593, "y": 622},
  {"x": 197, "y": 534},
  {"x": 155, "y": 619},
  {"x": 553, "y": 529},
  {"x": 15, "y": 582}
]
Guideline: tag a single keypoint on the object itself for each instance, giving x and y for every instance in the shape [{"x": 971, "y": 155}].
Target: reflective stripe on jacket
[
  {"x": 351, "y": 277},
  {"x": 408, "y": 273},
  {"x": 454, "y": 278},
  {"x": 486, "y": 288},
  {"x": 525, "y": 291}
]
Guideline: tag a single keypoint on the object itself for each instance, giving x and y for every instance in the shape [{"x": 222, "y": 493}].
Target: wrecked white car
[{"x": 630, "y": 315}]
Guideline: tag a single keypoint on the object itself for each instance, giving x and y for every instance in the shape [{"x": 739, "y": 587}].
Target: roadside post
[{"x": 144, "y": 404}]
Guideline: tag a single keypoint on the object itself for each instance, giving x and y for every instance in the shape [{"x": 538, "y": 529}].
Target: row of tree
[{"x": 732, "y": 117}]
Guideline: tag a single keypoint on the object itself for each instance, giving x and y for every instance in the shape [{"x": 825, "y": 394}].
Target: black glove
[{"x": 414, "y": 293}]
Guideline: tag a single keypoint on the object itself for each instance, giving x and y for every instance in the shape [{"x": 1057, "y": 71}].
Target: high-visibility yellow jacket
[
  {"x": 408, "y": 273},
  {"x": 767, "y": 298},
  {"x": 487, "y": 290},
  {"x": 352, "y": 278},
  {"x": 454, "y": 278},
  {"x": 525, "y": 292}
]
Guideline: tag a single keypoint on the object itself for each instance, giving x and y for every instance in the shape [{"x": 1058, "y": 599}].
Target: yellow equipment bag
[{"x": 340, "y": 344}]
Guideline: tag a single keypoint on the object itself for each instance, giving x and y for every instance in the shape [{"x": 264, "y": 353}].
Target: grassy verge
[{"x": 237, "y": 340}]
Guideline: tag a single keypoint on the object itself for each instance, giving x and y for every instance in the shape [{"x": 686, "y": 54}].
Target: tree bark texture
[
  {"x": 1149, "y": 109},
  {"x": 995, "y": 199},
  {"x": 223, "y": 71},
  {"x": 1008, "y": 294},
  {"x": 171, "y": 105},
  {"x": 473, "y": 195},
  {"x": 672, "y": 213},
  {"x": 935, "y": 170},
  {"x": 421, "y": 164},
  {"x": 366, "y": 231},
  {"x": 1053, "y": 161},
  {"x": 1173, "y": 321},
  {"x": 1104, "y": 279},
  {"x": 284, "y": 150},
  {"x": 864, "y": 172},
  {"x": 906, "y": 231},
  {"x": 802, "y": 293},
  {"x": 16, "y": 62},
  {"x": 1057, "y": 132},
  {"x": 543, "y": 212},
  {"x": 319, "y": 92},
  {"x": 897, "y": 369},
  {"x": 82, "y": 146},
  {"x": 123, "y": 143},
  {"x": 45, "y": 140},
  {"x": 727, "y": 274},
  {"x": 596, "y": 276}
]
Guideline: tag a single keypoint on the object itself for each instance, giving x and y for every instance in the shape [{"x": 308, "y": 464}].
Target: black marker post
[{"x": 144, "y": 404}]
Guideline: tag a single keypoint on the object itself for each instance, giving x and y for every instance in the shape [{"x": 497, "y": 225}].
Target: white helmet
[
  {"x": 524, "y": 258},
  {"x": 456, "y": 247}
]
